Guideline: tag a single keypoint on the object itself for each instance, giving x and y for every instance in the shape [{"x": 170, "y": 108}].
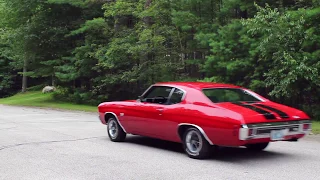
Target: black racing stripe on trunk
[
  {"x": 280, "y": 113},
  {"x": 266, "y": 114}
]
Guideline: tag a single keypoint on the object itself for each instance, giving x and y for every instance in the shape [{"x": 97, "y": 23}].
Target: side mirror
[{"x": 139, "y": 99}]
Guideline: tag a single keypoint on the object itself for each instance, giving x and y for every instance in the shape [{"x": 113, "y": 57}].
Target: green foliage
[
  {"x": 90, "y": 26},
  {"x": 232, "y": 59},
  {"x": 7, "y": 69},
  {"x": 77, "y": 96},
  {"x": 112, "y": 50},
  {"x": 287, "y": 49},
  {"x": 78, "y": 3}
]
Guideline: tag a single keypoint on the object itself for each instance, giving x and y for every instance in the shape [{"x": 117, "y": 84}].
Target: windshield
[{"x": 218, "y": 95}]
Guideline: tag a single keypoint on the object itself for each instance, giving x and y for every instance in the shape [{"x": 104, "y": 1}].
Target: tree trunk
[
  {"x": 24, "y": 77},
  {"x": 281, "y": 5},
  {"x": 148, "y": 20},
  {"x": 53, "y": 83}
]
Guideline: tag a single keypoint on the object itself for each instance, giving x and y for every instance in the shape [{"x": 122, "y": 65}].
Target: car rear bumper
[{"x": 291, "y": 130}]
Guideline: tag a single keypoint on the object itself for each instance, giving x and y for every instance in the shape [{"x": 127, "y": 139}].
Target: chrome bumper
[{"x": 263, "y": 130}]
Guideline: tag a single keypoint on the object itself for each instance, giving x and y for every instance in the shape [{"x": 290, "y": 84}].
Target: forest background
[{"x": 105, "y": 50}]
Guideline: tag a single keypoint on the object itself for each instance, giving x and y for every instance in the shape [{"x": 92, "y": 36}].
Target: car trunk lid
[{"x": 263, "y": 112}]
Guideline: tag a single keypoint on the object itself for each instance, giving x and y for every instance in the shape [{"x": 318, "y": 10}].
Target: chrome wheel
[
  {"x": 194, "y": 142},
  {"x": 195, "y": 145},
  {"x": 115, "y": 132},
  {"x": 113, "y": 129}
]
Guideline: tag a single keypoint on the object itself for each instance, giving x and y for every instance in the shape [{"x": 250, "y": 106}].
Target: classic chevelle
[{"x": 204, "y": 115}]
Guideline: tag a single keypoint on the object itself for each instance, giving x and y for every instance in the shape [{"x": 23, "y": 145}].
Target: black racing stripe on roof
[
  {"x": 265, "y": 113},
  {"x": 279, "y": 112}
]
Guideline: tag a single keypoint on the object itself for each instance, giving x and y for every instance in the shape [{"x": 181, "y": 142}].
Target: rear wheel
[
  {"x": 195, "y": 145},
  {"x": 115, "y": 132},
  {"x": 257, "y": 147}
]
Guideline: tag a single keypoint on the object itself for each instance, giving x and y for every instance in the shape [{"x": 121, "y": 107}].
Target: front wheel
[
  {"x": 115, "y": 132},
  {"x": 195, "y": 145},
  {"x": 257, "y": 147}
]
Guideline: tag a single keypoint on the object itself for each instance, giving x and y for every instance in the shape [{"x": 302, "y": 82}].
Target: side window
[
  {"x": 176, "y": 96},
  {"x": 228, "y": 95},
  {"x": 157, "y": 94},
  {"x": 232, "y": 96},
  {"x": 222, "y": 95}
]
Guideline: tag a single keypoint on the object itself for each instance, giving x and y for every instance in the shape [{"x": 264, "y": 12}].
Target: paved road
[{"x": 49, "y": 144}]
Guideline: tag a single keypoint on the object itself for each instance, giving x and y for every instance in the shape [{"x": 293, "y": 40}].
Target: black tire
[
  {"x": 257, "y": 147},
  {"x": 202, "y": 152},
  {"x": 118, "y": 135}
]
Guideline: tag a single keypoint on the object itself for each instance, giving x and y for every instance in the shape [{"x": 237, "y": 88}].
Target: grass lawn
[
  {"x": 316, "y": 127},
  {"x": 38, "y": 99}
]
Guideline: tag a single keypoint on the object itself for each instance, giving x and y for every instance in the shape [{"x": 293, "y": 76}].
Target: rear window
[{"x": 218, "y": 95}]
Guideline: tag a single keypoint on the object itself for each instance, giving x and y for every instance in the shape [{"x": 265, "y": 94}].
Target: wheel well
[
  {"x": 182, "y": 129},
  {"x": 107, "y": 116},
  {"x": 112, "y": 115}
]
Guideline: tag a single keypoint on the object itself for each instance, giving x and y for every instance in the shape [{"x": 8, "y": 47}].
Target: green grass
[
  {"x": 316, "y": 127},
  {"x": 38, "y": 99}
]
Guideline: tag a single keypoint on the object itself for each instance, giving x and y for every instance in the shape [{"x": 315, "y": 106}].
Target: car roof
[{"x": 199, "y": 85}]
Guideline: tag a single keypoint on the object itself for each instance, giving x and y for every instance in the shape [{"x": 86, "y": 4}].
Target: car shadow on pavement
[
  {"x": 241, "y": 154},
  {"x": 155, "y": 143},
  {"x": 225, "y": 154}
]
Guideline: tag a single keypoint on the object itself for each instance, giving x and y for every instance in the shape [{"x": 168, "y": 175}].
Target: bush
[
  {"x": 78, "y": 96},
  {"x": 36, "y": 88},
  {"x": 313, "y": 111}
]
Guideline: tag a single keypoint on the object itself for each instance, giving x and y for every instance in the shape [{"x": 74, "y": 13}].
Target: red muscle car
[{"x": 203, "y": 115}]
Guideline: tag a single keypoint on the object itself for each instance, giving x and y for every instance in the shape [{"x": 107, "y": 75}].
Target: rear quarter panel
[
  {"x": 216, "y": 122},
  {"x": 116, "y": 108},
  {"x": 220, "y": 125}
]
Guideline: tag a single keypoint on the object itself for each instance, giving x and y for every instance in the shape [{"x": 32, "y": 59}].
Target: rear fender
[{"x": 195, "y": 126}]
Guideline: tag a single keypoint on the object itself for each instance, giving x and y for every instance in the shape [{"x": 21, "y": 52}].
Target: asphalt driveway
[{"x": 52, "y": 144}]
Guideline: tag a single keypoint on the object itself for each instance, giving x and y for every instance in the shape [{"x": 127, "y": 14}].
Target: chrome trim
[
  {"x": 267, "y": 127},
  {"x": 243, "y": 131},
  {"x": 170, "y": 95},
  {"x": 184, "y": 93},
  {"x": 199, "y": 128},
  {"x": 145, "y": 92},
  {"x": 116, "y": 119},
  {"x": 253, "y": 94},
  {"x": 277, "y": 124}
]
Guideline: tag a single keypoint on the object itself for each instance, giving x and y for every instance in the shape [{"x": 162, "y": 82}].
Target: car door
[
  {"x": 160, "y": 117},
  {"x": 170, "y": 115},
  {"x": 147, "y": 114}
]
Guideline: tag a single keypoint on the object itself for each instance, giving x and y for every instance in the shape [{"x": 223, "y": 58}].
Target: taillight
[
  {"x": 306, "y": 127},
  {"x": 250, "y": 132}
]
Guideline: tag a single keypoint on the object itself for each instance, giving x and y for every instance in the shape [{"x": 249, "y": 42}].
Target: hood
[{"x": 264, "y": 112}]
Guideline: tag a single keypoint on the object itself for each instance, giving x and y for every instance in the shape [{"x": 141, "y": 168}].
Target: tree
[{"x": 96, "y": 50}]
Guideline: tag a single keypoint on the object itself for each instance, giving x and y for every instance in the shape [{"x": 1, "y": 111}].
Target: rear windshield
[{"x": 218, "y": 95}]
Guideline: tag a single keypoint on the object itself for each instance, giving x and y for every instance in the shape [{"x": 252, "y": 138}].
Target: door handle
[{"x": 160, "y": 111}]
